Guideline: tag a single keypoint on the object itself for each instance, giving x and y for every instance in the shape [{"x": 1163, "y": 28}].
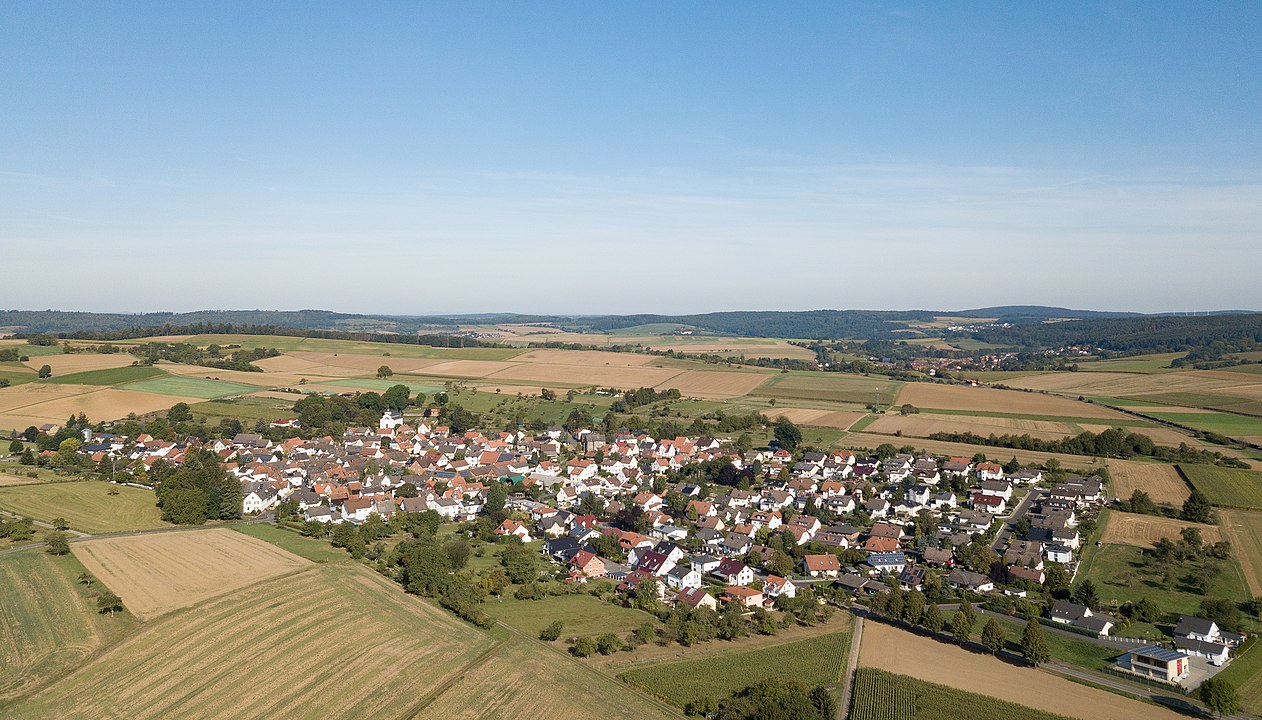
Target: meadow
[
  {"x": 185, "y": 386},
  {"x": 1228, "y": 487},
  {"x": 1120, "y": 573},
  {"x": 1244, "y": 529},
  {"x": 110, "y": 376},
  {"x": 1145, "y": 530},
  {"x": 880, "y": 695},
  {"x": 1244, "y": 673},
  {"x": 87, "y": 505},
  {"x": 582, "y": 614}
]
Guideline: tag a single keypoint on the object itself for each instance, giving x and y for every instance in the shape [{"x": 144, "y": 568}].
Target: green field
[
  {"x": 1122, "y": 422},
  {"x": 245, "y": 408},
  {"x": 414, "y": 384},
  {"x": 313, "y": 549},
  {"x": 17, "y": 377},
  {"x": 1121, "y": 576},
  {"x": 193, "y": 387},
  {"x": 109, "y": 376},
  {"x": 880, "y": 695},
  {"x": 1244, "y": 672},
  {"x": 1144, "y": 364},
  {"x": 816, "y": 661},
  {"x": 1063, "y": 646},
  {"x": 286, "y": 343},
  {"x": 1223, "y": 423},
  {"x": 833, "y": 387},
  {"x": 1228, "y": 487},
  {"x": 86, "y": 505},
  {"x": 582, "y": 614},
  {"x": 48, "y": 622}
]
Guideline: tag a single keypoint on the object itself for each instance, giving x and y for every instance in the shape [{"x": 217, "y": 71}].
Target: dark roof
[
  {"x": 1188, "y": 625},
  {"x": 1159, "y": 653}
]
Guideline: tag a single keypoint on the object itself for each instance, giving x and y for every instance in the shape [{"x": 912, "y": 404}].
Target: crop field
[
  {"x": 522, "y": 679},
  {"x": 8, "y": 480},
  {"x": 86, "y": 505},
  {"x": 239, "y": 377},
  {"x": 925, "y": 424},
  {"x": 1228, "y": 487},
  {"x": 1244, "y": 672},
  {"x": 1222, "y": 423},
  {"x": 48, "y": 624},
  {"x": 959, "y": 397},
  {"x": 625, "y": 378},
  {"x": 313, "y": 549},
  {"x": 904, "y": 653},
  {"x": 879, "y": 695},
  {"x": 336, "y": 363},
  {"x": 1162, "y": 482},
  {"x": 96, "y": 403},
  {"x": 582, "y": 614},
  {"x": 1159, "y": 363},
  {"x": 155, "y": 574},
  {"x": 1244, "y": 529},
  {"x": 1145, "y": 530},
  {"x": 872, "y": 440},
  {"x": 13, "y": 399},
  {"x": 818, "y": 418},
  {"x": 80, "y": 362},
  {"x": 250, "y": 408},
  {"x": 584, "y": 357},
  {"x": 829, "y": 387},
  {"x": 1122, "y": 575},
  {"x": 110, "y": 376},
  {"x": 715, "y": 384},
  {"x": 816, "y": 661},
  {"x": 191, "y": 387},
  {"x": 735, "y": 348},
  {"x": 351, "y": 644}
]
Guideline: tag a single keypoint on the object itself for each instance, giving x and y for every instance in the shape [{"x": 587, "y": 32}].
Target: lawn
[
  {"x": 817, "y": 661},
  {"x": 1228, "y": 487},
  {"x": 194, "y": 387},
  {"x": 48, "y": 620},
  {"x": 110, "y": 376},
  {"x": 880, "y": 695},
  {"x": 582, "y": 614},
  {"x": 1120, "y": 573},
  {"x": 86, "y": 505},
  {"x": 1063, "y": 646},
  {"x": 313, "y": 549},
  {"x": 1244, "y": 672}
]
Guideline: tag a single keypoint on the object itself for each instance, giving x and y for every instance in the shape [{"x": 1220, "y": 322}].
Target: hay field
[
  {"x": 1145, "y": 530},
  {"x": 155, "y": 574},
  {"x": 904, "y": 653},
  {"x": 264, "y": 379},
  {"x": 1244, "y": 529},
  {"x": 351, "y": 644},
  {"x": 97, "y": 403},
  {"x": 817, "y": 418},
  {"x": 80, "y": 362},
  {"x": 959, "y": 397},
  {"x": 734, "y": 348},
  {"x": 584, "y": 357},
  {"x": 715, "y": 384},
  {"x": 923, "y": 425},
  {"x": 31, "y": 394},
  {"x": 86, "y": 505},
  {"x": 828, "y": 387},
  {"x": 623, "y": 378},
  {"x": 1160, "y": 481},
  {"x": 525, "y": 680},
  {"x": 361, "y": 364}
]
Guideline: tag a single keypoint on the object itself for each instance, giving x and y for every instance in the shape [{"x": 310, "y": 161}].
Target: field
[
  {"x": 904, "y": 653},
  {"x": 829, "y": 387},
  {"x": 48, "y": 624},
  {"x": 623, "y": 378},
  {"x": 80, "y": 362},
  {"x": 1222, "y": 423},
  {"x": 940, "y": 447},
  {"x": 925, "y": 424},
  {"x": 1244, "y": 529},
  {"x": 110, "y": 376},
  {"x": 313, "y": 549},
  {"x": 1120, "y": 573},
  {"x": 817, "y": 661},
  {"x": 1228, "y": 487},
  {"x": 879, "y": 695},
  {"x": 959, "y": 397},
  {"x": 715, "y": 384},
  {"x": 86, "y": 505},
  {"x": 1244, "y": 672},
  {"x": 158, "y": 573},
  {"x": 582, "y": 614},
  {"x": 1162, "y": 482},
  {"x": 191, "y": 387},
  {"x": 818, "y": 418},
  {"x": 1145, "y": 530},
  {"x": 350, "y": 642}
]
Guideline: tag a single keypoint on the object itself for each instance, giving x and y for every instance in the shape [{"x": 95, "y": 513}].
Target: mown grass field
[
  {"x": 195, "y": 387},
  {"x": 1244, "y": 672},
  {"x": 582, "y": 614},
  {"x": 48, "y": 621},
  {"x": 880, "y": 695},
  {"x": 1222, "y": 423},
  {"x": 815, "y": 661},
  {"x": 86, "y": 505},
  {"x": 110, "y": 376},
  {"x": 1228, "y": 487}
]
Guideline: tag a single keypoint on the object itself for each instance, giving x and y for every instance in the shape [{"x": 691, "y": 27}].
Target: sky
[{"x": 664, "y": 157}]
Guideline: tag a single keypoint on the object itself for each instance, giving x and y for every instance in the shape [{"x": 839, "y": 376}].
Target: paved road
[{"x": 1001, "y": 537}]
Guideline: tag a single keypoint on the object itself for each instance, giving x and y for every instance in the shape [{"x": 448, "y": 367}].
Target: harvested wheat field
[
  {"x": 362, "y": 364},
  {"x": 1244, "y": 529},
  {"x": 155, "y": 574},
  {"x": 904, "y": 653},
  {"x": 1162, "y": 482},
  {"x": 959, "y": 397},
  {"x": 715, "y": 384},
  {"x": 816, "y": 418},
  {"x": 81, "y": 362},
  {"x": 30, "y": 394},
  {"x": 351, "y": 644},
  {"x": 99, "y": 404},
  {"x": 623, "y": 378},
  {"x": 470, "y": 368},
  {"x": 924, "y": 425},
  {"x": 263, "y": 379},
  {"x": 737, "y": 348},
  {"x": 584, "y": 357},
  {"x": 1145, "y": 530}
]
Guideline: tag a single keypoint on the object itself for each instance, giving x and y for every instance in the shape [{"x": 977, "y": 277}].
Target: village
[{"x": 709, "y": 526}]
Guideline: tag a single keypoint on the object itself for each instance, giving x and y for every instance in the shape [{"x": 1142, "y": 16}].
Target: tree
[
  {"x": 521, "y": 563},
  {"x": 552, "y": 631},
  {"x": 992, "y": 636},
  {"x": 1087, "y": 594},
  {"x": 58, "y": 543},
  {"x": 495, "y": 498},
  {"x": 384, "y": 371},
  {"x": 397, "y": 397},
  {"x": 16, "y": 447},
  {"x": 1034, "y": 643},
  {"x": 961, "y": 627},
  {"x": 180, "y": 412},
  {"x": 932, "y": 618},
  {"x": 1220, "y": 696},
  {"x": 967, "y": 608},
  {"x": 584, "y": 647},
  {"x": 788, "y": 435},
  {"x": 45, "y": 371},
  {"x": 1196, "y": 508},
  {"x": 108, "y": 602},
  {"x": 608, "y": 644},
  {"x": 60, "y": 523},
  {"x": 28, "y": 458}
]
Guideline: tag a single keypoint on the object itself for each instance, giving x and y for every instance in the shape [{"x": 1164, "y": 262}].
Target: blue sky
[{"x": 635, "y": 157}]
